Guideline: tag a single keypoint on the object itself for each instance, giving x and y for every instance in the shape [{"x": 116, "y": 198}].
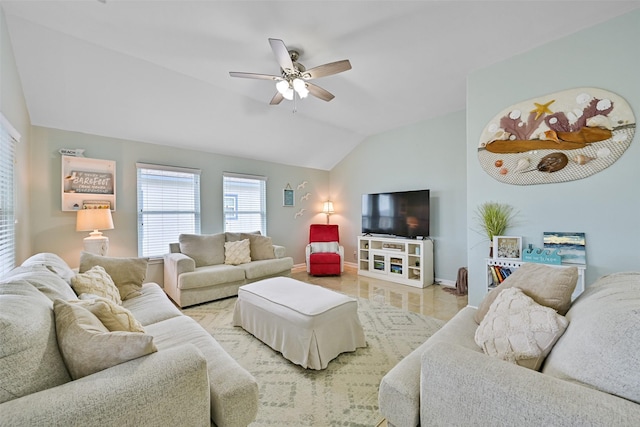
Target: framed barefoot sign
[{"x": 88, "y": 181}]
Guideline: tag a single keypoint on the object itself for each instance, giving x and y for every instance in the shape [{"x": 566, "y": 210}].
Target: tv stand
[{"x": 406, "y": 261}]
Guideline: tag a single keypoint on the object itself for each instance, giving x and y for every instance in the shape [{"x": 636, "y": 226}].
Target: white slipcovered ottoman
[{"x": 308, "y": 324}]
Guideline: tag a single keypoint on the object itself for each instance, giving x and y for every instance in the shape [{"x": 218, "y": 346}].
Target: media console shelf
[
  {"x": 405, "y": 261},
  {"x": 512, "y": 265}
]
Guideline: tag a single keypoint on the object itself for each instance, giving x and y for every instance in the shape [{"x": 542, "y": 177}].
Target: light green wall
[
  {"x": 430, "y": 154},
  {"x": 14, "y": 108},
  {"x": 54, "y": 231},
  {"x": 605, "y": 206}
]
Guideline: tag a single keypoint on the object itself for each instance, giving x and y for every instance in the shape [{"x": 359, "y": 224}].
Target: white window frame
[
  {"x": 250, "y": 213},
  {"x": 9, "y": 137},
  {"x": 173, "y": 210}
]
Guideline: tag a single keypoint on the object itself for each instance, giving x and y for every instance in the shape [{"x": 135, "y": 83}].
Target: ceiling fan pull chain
[{"x": 295, "y": 105}]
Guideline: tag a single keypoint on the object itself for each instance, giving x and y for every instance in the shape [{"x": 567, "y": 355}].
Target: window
[
  {"x": 168, "y": 205},
  {"x": 245, "y": 202},
  {"x": 8, "y": 139}
]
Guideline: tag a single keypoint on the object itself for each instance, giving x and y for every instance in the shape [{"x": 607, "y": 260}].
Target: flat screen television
[{"x": 400, "y": 213}]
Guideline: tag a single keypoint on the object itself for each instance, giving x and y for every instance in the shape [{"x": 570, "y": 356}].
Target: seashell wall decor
[{"x": 570, "y": 135}]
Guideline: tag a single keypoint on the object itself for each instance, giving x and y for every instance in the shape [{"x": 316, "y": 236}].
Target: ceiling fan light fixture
[
  {"x": 288, "y": 94},
  {"x": 304, "y": 92},
  {"x": 299, "y": 84},
  {"x": 283, "y": 87}
]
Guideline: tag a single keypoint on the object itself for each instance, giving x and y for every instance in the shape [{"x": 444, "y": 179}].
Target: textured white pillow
[
  {"x": 115, "y": 317},
  {"x": 236, "y": 253},
  {"x": 96, "y": 281},
  {"x": 86, "y": 344},
  {"x": 331, "y": 247},
  {"x": 519, "y": 330}
]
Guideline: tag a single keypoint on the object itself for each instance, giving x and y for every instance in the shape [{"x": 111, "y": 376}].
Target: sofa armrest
[
  {"x": 170, "y": 387},
  {"x": 463, "y": 387},
  {"x": 279, "y": 251},
  {"x": 174, "y": 265}
]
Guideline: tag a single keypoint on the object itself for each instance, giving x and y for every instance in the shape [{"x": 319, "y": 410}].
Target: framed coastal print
[
  {"x": 571, "y": 246},
  {"x": 507, "y": 247},
  {"x": 288, "y": 197}
]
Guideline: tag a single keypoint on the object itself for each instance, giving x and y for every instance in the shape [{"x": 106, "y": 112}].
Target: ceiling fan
[{"x": 295, "y": 77}]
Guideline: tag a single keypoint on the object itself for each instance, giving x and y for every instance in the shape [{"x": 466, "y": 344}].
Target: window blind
[
  {"x": 8, "y": 139},
  {"x": 168, "y": 205},
  {"x": 245, "y": 202}
]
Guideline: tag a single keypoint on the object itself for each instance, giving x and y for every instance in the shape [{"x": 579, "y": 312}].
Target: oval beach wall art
[{"x": 560, "y": 137}]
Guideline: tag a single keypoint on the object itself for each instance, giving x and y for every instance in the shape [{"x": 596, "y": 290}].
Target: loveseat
[
  {"x": 202, "y": 268},
  {"x": 590, "y": 376},
  {"x": 55, "y": 351}
]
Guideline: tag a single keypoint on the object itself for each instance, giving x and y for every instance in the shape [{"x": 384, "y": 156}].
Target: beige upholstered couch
[
  {"x": 197, "y": 269},
  {"x": 590, "y": 377},
  {"x": 189, "y": 380}
]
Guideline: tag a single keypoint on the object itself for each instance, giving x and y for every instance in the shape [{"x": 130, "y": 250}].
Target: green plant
[{"x": 494, "y": 218}]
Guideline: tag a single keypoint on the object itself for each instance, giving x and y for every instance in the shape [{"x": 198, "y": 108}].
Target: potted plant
[{"x": 494, "y": 219}]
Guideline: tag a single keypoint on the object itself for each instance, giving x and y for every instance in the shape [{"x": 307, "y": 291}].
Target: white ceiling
[{"x": 158, "y": 71}]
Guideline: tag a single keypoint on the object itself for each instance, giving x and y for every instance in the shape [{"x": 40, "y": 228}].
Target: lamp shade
[
  {"x": 327, "y": 207},
  {"x": 94, "y": 219}
]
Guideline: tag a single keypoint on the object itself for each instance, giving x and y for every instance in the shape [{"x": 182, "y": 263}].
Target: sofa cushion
[
  {"x": 519, "y": 330},
  {"x": 96, "y": 281},
  {"x": 53, "y": 262},
  {"x": 548, "y": 286},
  {"x": 205, "y": 249},
  {"x": 601, "y": 347},
  {"x": 86, "y": 344},
  {"x": 152, "y": 306},
  {"x": 114, "y": 316},
  {"x": 256, "y": 270},
  {"x": 234, "y": 391},
  {"x": 231, "y": 236},
  {"x": 127, "y": 273},
  {"x": 236, "y": 253},
  {"x": 30, "y": 360},
  {"x": 212, "y": 275},
  {"x": 43, "y": 279},
  {"x": 261, "y": 247}
]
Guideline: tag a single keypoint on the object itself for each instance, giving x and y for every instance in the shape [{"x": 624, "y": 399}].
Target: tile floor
[{"x": 432, "y": 301}]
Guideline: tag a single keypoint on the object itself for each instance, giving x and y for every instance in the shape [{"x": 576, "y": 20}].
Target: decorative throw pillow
[
  {"x": 205, "y": 249},
  {"x": 236, "y": 253},
  {"x": 325, "y": 247},
  {"x": 601, "y": 347},
  {"x": 261, "y": 247},
  {"x": 519, "y": 330},
  {"x": 86, "y": 344},
  {"x": 548, "y": 286},
  {"x": 115, "y": 317},
  {"x": 127, "y": 273},
  {"x": 96, "y": 281},
  {"x": 231, "y": 236}
]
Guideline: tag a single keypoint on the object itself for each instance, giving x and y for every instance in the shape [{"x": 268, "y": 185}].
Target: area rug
[{"x": 344, "y": 394}]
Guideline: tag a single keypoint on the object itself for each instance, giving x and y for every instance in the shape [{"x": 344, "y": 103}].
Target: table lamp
[
  {"x": 95, "y": 220},
  {"x": 327, "y": 208}
]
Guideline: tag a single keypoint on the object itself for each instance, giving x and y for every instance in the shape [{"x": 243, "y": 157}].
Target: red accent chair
[{"x": 325, "y": 256}]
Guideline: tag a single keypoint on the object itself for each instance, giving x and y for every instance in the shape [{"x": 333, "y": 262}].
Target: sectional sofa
[
  {"x": 59, "y": 366},
  {"x": 582, "y": 370}
]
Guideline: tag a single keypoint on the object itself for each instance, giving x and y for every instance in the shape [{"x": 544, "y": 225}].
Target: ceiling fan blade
[
  {"x": 318, "y": 92},
  {"x": 277, "y": 99},
  {"x": 327, "y": 69},
  {"x": 282, "y": 54},
  {"x": 254, "y": 76}
]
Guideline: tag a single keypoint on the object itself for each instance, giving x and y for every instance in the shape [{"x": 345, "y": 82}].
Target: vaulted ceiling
[{"x": 158, "y": 71}]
